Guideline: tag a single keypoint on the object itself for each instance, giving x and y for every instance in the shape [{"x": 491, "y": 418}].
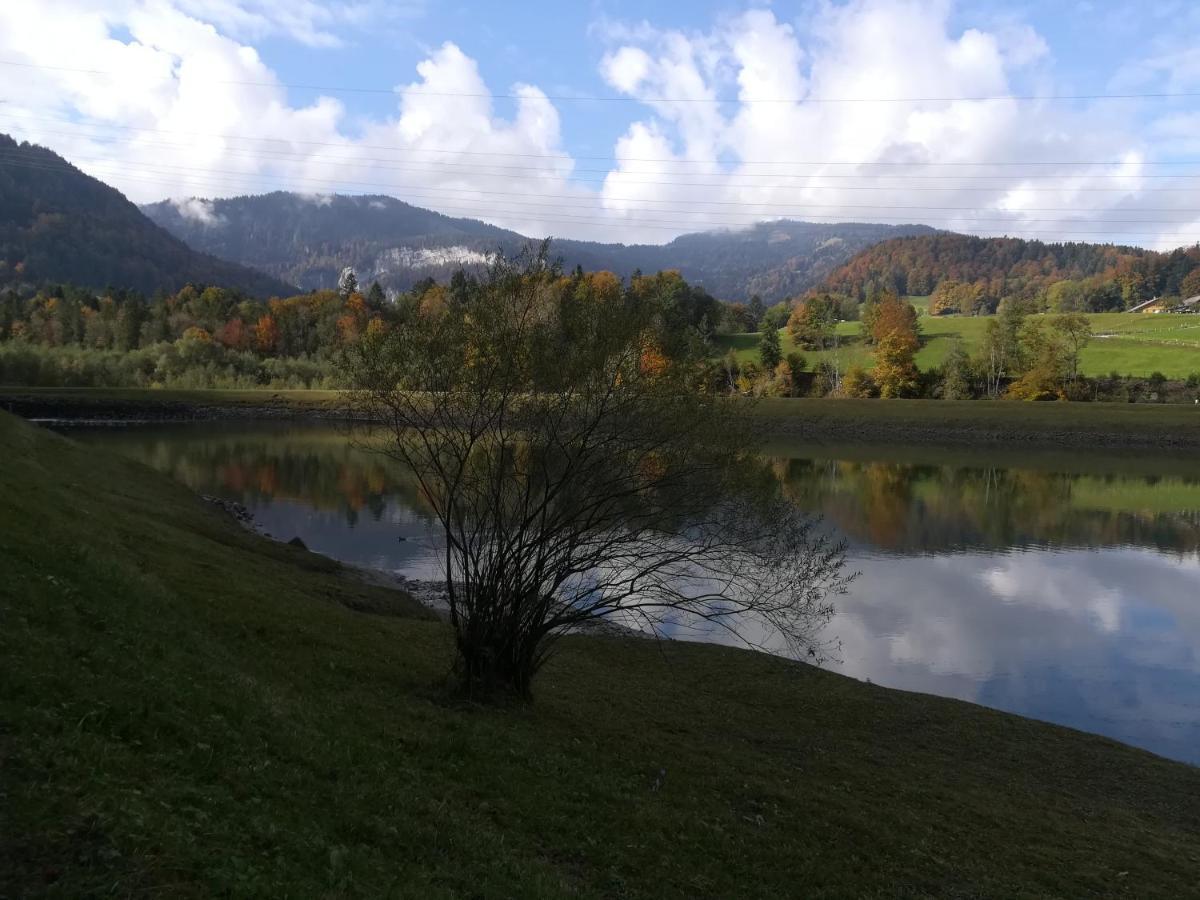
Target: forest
[
  {"x": 212, "y": 337},
  {"x": 973, "y": 275}
]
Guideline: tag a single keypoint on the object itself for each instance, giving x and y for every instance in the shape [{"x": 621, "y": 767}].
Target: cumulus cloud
[
  {"x": 184, "y": 109},
  {"x": 726, "y": 126},
  {"x": 818, "y": 131}
]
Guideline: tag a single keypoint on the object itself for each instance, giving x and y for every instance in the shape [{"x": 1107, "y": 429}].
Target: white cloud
[
  {"x": 871, "y": 50},
  {"x": 311, "y": 23},
  {"x": 197, "y": 209},
  {"x": 190, "y": 111},
  {"x": 190, "y": 108}
]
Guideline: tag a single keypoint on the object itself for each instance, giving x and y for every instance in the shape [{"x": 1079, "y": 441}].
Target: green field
[
  {"x": 1125, "y": 343},
  {"x": 191, "y": 710}
]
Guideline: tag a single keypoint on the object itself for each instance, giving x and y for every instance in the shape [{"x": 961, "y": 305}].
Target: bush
[
  {"x": 190, "y": 362},
  {"x": 859, "y": 383}
]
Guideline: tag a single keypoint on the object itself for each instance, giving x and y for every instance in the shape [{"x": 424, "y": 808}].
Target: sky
[{"x": 634, "y": 122}]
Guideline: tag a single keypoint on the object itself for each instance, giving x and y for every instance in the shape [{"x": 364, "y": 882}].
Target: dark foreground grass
[{"x": 189, "y": 710}]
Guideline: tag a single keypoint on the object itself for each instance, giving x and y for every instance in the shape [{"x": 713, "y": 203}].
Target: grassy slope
[
  {"x": 186, "y": 710},
  {"x": 1132, "y": 344}
]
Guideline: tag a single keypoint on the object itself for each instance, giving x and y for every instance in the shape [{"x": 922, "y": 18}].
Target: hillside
[
  {"x": 192, "y": 710},
  {"x": 59, "y": 225},
  {"x": 1104, "y": 276},
  {"x": 309, "y": 239},
  {"x": 1128, "y": 344}
]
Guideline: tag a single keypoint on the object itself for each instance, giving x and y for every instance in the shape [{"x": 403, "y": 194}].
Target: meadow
[
  {"x": 190, "y": 709},
  {"x": 1124, "y": 343}
]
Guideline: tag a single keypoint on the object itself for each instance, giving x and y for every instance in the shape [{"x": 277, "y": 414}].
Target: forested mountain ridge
[
  {"x": 965, "y": 273},
  {"x": 309, "y": 239},
  {"x": 58, "y": 224}
]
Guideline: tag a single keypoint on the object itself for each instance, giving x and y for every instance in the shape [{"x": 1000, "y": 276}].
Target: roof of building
[{"x": 1144, "y": 304}]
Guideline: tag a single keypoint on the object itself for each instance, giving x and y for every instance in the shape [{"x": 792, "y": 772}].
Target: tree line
[
  {"x": 209, "y": 336},
  {"x": 973, "y": 275},
  {"x": 1022, "y": 356}
]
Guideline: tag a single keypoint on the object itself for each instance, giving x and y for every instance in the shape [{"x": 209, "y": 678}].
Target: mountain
[
  {"x": 59, "y": 225},
  {"x": 310, "y": 239},
  {"x": 1092, "y": 276}
]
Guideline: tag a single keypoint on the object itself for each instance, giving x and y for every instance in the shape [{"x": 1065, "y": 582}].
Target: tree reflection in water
[{"x": 1059, "y": 587}]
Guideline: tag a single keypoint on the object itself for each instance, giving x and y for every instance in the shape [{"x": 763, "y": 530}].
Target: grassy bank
[
  {"x": 992, "y": 423},
  {"x": 188, "y": 709},
  {"x": 1140, "y": 426}
]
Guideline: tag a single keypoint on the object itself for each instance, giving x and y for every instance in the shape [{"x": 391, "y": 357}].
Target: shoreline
[
  {"x": 431, "y": 594},
  {"x": 976, "y": 423}
]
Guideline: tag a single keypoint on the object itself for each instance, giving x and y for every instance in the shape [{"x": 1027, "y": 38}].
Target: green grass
[
  {"x": 1125, "y": 343},
  {"x": 189, "y": 710},
  {"x": 999, "y": 424}
]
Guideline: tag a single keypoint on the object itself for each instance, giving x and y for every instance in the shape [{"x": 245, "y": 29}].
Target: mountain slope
[
  {"x": 309, "y": 240},
  {"x": 1107, "y": 276},
  {"x": 58, "y": 224}
]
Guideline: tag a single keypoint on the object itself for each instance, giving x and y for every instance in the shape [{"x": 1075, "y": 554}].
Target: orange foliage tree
[{"x": 896, "y": 342}]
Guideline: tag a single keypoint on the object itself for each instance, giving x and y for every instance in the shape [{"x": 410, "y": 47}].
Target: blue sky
[
  {"x": 558, "y": 46},
  {"x": 188, "y": 98}
]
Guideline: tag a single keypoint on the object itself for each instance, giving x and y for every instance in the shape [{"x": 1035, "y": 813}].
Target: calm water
[{"x": 1066, "y": 588}]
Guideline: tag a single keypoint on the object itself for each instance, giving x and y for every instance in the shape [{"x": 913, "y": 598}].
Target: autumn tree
[
  {"x": 1046, "y": 371},
  {"x": 266, "y": 334},
  {"x": 569, "y": 483},
  {"x": 858, "y": 383},
  {"x": 813, "y": 321},
  {"x": 1190, "y": 285},
  {"x": 952, "y": 296},
  {"x": 894, "y": 330}
]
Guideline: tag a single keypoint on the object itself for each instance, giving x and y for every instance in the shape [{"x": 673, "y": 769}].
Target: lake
[{"x": 1065, "y": 587}]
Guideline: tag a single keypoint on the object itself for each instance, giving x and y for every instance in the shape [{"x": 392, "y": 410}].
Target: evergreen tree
[
  {"x": 133, "y": 315},
  {"x": 8, "y": 314},
  {"x": 770, "y": 351},
  {"x": 375, "y": 296}
]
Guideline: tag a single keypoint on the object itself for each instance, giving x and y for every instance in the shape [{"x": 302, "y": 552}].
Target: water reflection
[{"x": 1065, "y": 589}]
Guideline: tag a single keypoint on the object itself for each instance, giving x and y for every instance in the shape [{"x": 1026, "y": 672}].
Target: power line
[
  {"x": 477, "y": 168},
  {"x": 691, "y": 201},
  {"x": 564, "y": 156},
  {"x": 647, "y": 100},
  {"x": 675, "y": 207},
  {"x": 958, "y": 188},
  {"x": 560, "y": 217},
  {"x": 170, "y": 174}
]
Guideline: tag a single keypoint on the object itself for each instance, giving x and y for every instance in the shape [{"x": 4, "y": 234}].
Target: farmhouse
[{"x": 1160, "y": 305}]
